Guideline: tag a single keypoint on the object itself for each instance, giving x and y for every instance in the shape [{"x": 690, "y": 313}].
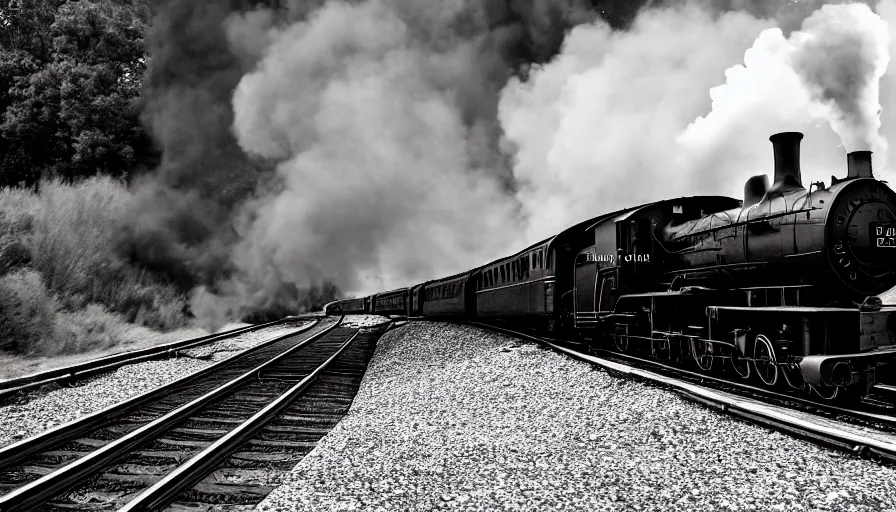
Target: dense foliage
[{"x": 70, "y": 76}]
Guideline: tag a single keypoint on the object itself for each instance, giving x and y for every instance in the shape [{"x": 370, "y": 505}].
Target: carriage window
[
  {"x": 507, "y": 266},
  {"x": 503, "y": 274},
  {"x": 540, "y": 260}
]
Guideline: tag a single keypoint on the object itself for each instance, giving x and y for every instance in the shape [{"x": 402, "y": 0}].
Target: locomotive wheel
[
  {"x": 826, "y": 392},
  {"x": 702, "y": 353},
  {"x": 661, "y": 347},
  {"x": 620, "y": 337},
  {"x": 764, "y": 361},
  {"x": 793, "y": 376},
  {"x": 740, "y": 364}
]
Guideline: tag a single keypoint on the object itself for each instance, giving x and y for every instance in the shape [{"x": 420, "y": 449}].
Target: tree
[{"x": 74, "y": 115}]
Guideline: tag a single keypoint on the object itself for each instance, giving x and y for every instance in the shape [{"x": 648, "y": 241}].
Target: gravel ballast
[
  {"x": 45, "y": 410},
  {"x": 453, "y": 417}
]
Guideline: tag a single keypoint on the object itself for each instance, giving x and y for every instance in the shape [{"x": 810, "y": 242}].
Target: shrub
[
  {"x": 28, "y": 312},
  {"x": 17, "y": 210},
  {"x": 91, "y": 328},
  {"x": 72, "y": 246}
]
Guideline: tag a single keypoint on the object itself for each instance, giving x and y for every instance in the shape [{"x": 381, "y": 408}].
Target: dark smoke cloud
[
  {"x": 208, "y": 216},
  {"x": 175, "y": 224}
]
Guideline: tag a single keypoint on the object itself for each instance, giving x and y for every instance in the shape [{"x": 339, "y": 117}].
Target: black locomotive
[{"x": 781, "y": 286}]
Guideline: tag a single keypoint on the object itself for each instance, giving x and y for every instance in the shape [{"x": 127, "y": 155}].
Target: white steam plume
[
  {"x": 842, "y": 53},
  {"x": 386, "y": 180},
  {"x": 615, "y": 120},
  {"x": 596, "y": 128}
]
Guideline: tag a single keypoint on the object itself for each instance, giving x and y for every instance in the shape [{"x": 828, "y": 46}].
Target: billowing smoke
[
  {"x": 595, "y": 129},
  {"x": 363, "y": 128},
  {"x": 842, "y": 53},
  {"x": 620, "y": 118},
  {"x": 387, "y": 135},
  {"x": 180, "y": 223}
]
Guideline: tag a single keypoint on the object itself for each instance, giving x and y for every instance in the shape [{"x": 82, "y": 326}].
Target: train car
[
  {"x": 393, "y": 302},
  {"x": 345, "y": 307},
  {"x": 534, "y": 285},
  {"x": 781, "y": 286},
  {"x": 453, "y": 296},
  {"x": 520, "y": 286}
]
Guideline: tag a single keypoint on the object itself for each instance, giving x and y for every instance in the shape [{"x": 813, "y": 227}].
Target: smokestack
[
  {"x": 755, "y": 190},
  {"x": 787, "y": 160},
  {"x": 858, "y": 164}
]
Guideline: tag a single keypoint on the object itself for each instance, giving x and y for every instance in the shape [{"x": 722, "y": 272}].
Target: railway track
[
  {"x": 870, "y": 435},
  {"x": 184, "y": 442},
  {"x": 69, "y": 374}
]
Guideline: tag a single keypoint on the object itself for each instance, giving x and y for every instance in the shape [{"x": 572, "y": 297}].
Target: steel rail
[
  {"x": 16, "y": 452},
  {"x": 862, "y": 415},
  {"x": 108, "y": 363},
  {"x": 66, "y": 477},
  {"x": 820, "y": 434},
  {"x": 768, "y": 393},
  {"x": 195, "y": 469}
]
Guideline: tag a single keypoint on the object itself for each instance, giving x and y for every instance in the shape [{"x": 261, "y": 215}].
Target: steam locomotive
[{"x": 781, "y": 286}]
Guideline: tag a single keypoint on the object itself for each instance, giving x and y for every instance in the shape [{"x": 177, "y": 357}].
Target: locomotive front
[
  {"x": 860, "y": 230},
  {"x": 811, "y": 264}
]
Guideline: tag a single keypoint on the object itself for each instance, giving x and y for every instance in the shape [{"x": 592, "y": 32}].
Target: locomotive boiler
[{"x": 837, "y": 241}]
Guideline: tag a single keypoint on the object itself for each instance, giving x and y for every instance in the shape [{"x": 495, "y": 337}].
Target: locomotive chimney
[
  {"x": 858, "y": 164},
  {"x": 787, "y": 160},
  {"x": 755, "y": 189}
]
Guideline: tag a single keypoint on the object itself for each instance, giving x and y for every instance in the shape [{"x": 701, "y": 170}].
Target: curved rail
[
  {"x": 58, "y": 481},
  {"x": 195, "y": 469},
  {"x": 767, "y": 393},
  {"x": 14, "y": 453},
  {"x": 828, "y": 435},
  {"x": 108, "y": 363}
]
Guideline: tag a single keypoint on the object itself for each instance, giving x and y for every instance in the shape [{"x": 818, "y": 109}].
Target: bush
[
  {"x": 91, "y": 328},
  {"x": 17, "y": 209},
  {"x": 72, "y": 246},
  {"x": 28, "y": 312},
  {"x": 63, "y": 289}
]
